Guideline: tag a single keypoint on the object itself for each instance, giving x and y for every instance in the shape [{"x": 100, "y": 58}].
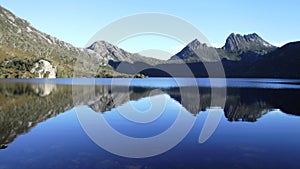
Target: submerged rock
[{"x": 3, "y": 146}]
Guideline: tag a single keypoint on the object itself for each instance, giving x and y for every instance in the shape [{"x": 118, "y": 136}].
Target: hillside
[
  {"x": 22, "y": 48},
  {"x": 283, "y": 62}
]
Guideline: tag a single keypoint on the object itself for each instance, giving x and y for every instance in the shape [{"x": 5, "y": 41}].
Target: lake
[{"x": 149, "y": 123}]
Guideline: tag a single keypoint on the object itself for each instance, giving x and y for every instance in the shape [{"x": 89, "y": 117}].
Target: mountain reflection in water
[{"x": 24, "y": 105}]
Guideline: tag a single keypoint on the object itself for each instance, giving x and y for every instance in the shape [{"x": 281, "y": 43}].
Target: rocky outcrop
[{"x": 44, "y": 69}]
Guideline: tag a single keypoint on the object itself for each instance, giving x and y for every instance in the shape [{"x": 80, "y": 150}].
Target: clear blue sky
[{"x": 77, "y": 21}]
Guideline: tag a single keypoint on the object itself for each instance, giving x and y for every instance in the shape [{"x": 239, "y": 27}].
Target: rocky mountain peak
[
  {"x": 99, "y": 46},
  {"x": 196, "y": 51},
  {"x": 110, "y": 51},
  {"x": 196, "y": 44},
  {"x": 243, "y": 43},
  {"x": 114, "y": 53}
]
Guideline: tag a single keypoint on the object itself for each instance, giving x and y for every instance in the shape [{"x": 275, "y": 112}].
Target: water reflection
[
  {"x": 43, "y": 89},
  {"x": 249, "y": 104},
  {"x": 24, "y": 105}
]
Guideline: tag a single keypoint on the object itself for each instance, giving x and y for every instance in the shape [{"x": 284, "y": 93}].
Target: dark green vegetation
[{"x": 16, "y": 68}]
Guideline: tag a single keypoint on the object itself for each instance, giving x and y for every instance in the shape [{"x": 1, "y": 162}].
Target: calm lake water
[{"x": 45, "y": 123}]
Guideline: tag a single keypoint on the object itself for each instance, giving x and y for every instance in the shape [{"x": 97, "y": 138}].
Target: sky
[{"x": 77, "y": 21}]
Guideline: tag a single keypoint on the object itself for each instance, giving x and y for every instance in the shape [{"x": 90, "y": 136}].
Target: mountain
[
  {"x": 237, "y": 43},
  {"x": 237, "y": 56},
  {"x": 242, "y": 56},
  {"x": 112, "y": 52},
  {"x": 248, "y": 47},
  {"x": 283, "y": 62},
  {"x": 197, "y": 51}
]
